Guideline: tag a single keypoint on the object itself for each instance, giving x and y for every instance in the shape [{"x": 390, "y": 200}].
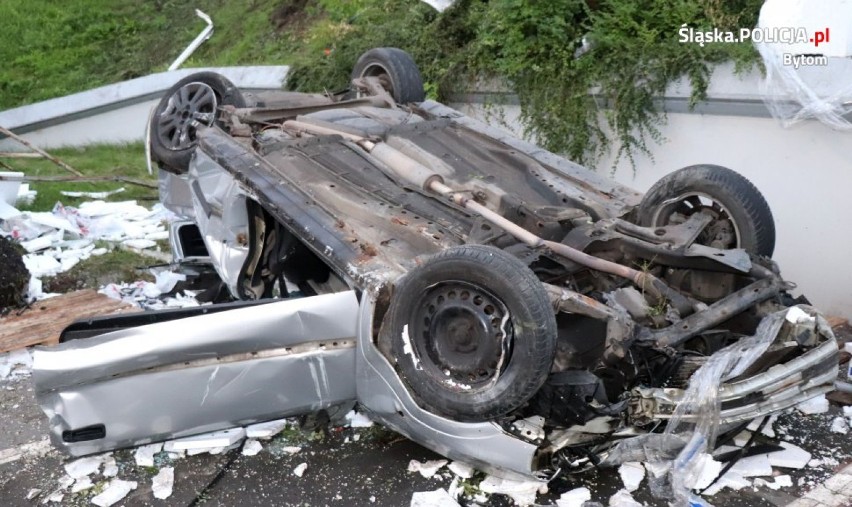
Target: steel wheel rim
[
  {"x": 689, "y": 203},
  {"x": 188, "y": 107},
  {"x": 461, "y": 336}
]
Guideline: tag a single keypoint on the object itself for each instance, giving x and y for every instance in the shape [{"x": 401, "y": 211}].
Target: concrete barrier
[{"x": 115, "y": 113}]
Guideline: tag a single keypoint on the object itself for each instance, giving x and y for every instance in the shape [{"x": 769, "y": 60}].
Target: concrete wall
[{"x": 115, "y": 113}]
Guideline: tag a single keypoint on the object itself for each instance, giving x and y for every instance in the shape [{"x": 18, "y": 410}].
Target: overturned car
[{"x": 486, "y": 298}]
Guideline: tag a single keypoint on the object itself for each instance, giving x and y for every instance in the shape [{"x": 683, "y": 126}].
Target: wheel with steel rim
[
  {"x": 395, "y": 70},
  {"x": 192, "y": 103},
  {"x": 742, "y": 218},
  {"x": 473, "y": 333}
]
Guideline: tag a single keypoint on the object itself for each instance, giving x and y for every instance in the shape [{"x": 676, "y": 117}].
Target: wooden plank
[
  {"x": 44, "y": 320},
  {"x": 20, "y": 154},
  {"x": 45, "y": 154}
]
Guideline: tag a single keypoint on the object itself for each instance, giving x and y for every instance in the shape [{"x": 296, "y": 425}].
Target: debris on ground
[
  {"x": 358, "y": 420},
  {"x": 114, "y": 493},
  {"x": 816, "y": 405},
  {"x": 163, "y": 483},
  {"x": 251, "y": 447},
  {"x": 522, "y": 492},
  {"x": 631, "y": 474},
  {"x": 426, "y": 469},
  {"x": 56, "y": 241},
  {"x": 267, "y": 429},
  {"x": 623, "y": 498},
  {"x": 300, "y": 469},
  {"x": 15, "y": 364},
  {"x": 144, "y": 455},
  {"x": 437, "y": 498},
  {"x": 574, "y": 498}
]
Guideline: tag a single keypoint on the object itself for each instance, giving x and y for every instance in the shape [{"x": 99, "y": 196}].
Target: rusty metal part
[
  {"x": 408, "y": 169},
  {"x": 267, "y": 114},
  {"x": 716, "y": 313},
  {"x": 619, "y": 326}
]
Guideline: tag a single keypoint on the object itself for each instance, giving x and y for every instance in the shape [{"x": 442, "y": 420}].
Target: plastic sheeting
[
  {"x": 679, "y": 458},
  {"x": 797, "y": 86}
]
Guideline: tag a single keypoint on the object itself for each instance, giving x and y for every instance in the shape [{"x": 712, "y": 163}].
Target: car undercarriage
[{"x": 490, "y": 300}]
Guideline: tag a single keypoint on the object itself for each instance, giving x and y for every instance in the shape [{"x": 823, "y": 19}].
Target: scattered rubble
[
  {"x": 522, "y": 492},
  {"x": 437, "y": 498},
  {"x": 428, "y": 468},
  {"x": 631, "y": 474},
  {"x": 267, "y": 429},
  {"x": 358, "y": 420},
  {"x": 251, "y": 447},
  {"x": 114, "y": 493},
  {"x": 300, "y": 469},
  {"x": 574, "y": 498},
  {"x": 817, "y": 405},
  {"x": 163, "y": 483}
]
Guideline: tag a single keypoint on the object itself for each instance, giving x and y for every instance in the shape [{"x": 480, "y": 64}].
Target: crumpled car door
[{"x": 198, "y": 374}]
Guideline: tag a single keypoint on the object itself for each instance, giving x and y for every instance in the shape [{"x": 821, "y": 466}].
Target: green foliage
[{"x": 531, "y": 45}]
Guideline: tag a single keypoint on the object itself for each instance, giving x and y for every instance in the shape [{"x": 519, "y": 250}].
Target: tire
[
  {"x": 397, "y": 71},
  {"x": 737, "y": 198},
  {"x": 214, "y": 90},
  {"x": 453, "y": 353}
]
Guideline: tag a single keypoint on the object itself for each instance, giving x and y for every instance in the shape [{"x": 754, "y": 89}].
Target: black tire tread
[
  {"x": 512, "y": 273},
  {"x": 405, "y": 76},
  {"x": 735, "y": 191}
]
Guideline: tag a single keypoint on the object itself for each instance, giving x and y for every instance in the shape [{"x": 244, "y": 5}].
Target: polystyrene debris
[
  {"x": 767, "y": 428},
  {"x": 251, "y": 447},
  {"x": 114, "y": 493},
  {"x": 82, "y": 484},
  {"x": 428, "y": 468},
  {"x": 83, "y": 466},
  {"x": 792, "y": 456},
  {"x": 266, "y": 429},
  {"x": 461, "y": 469},
  {"x": 574, "y": 498},
  {"x": 300, "y": 469},
  {"x": 224, "y": 438},
  {"x": 839, "y": 425},
  {"x": 144, "y": 455},
  {"x": 816, "y": 405},
  {"x": 731, "y": 480},
  {"x": 291, "y": 449},
  {"x": 631, "y": 474},
  {"x": 781, "y": 481},
  {"x": 437, "y": 498},
  {"x": 163, "y": 483},
  {"x": 16, "y": 364},
  {"x": 706, "y": 468},
  {"x": 522, "y": 492},
  {"x": 92, "y": 195},
  {"x": 623, "y": 498},
  {"x": 753, "y": 466},
  {"x": 110, "y": 467},
  {"x": 139, "y": 244},
  {"x": 55, "y": 497},
  {"x": 358, "y": 420}
]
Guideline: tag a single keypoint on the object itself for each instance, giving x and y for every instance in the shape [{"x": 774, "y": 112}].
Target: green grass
[
  {"x": 115, "y": 266},
  {"x": 98, "y": 160},
  {"x": 50, "y": 49}
]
